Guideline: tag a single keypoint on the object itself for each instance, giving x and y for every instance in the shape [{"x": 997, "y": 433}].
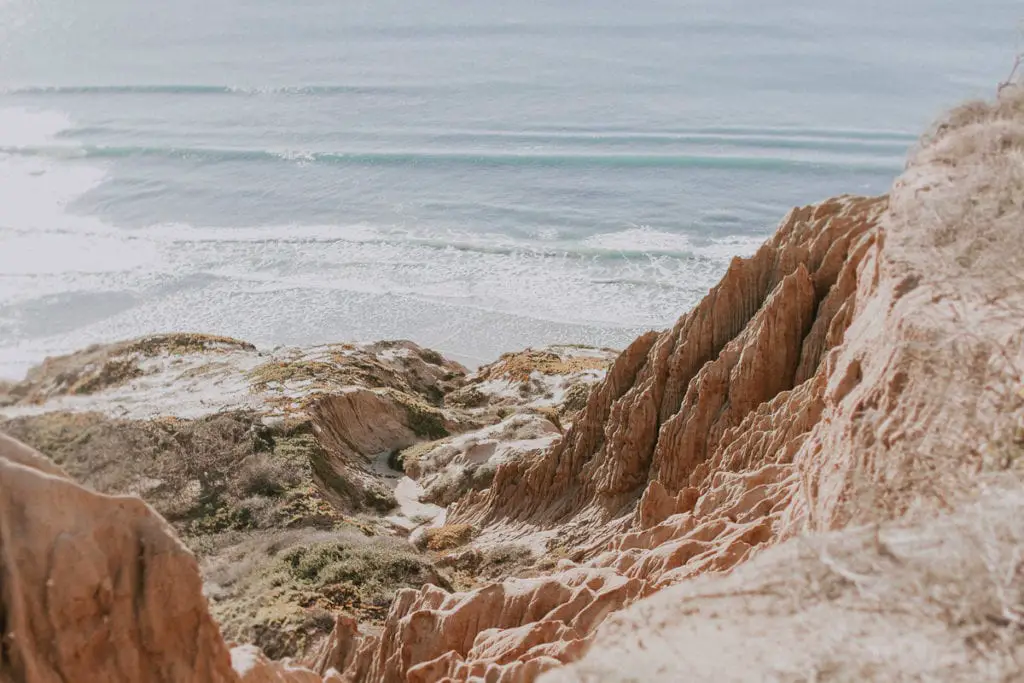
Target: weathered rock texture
[
  {"x": 863, "y": 365},
  {"x": 670, "y": 399},
  {"x": 94, "y": 587},
  {"x": 97, "y": 588},
  {"x": 938, "y": 600}
]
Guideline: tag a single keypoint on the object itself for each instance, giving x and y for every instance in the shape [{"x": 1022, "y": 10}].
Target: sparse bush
[
  {"x": 425, "y": 421},
  {"x": 467, "y": 397},
  {"x": 111, "y": 373},
  {"x": 483, "y": 475},
  {"x": 448, "y": 487},
  {"x": 262, "y": 474},
  {"x": 280, "y": 591},
  {"x": 396, "y": 460},
  {"x": 506, "y": 555},
  {"x": 576, "y": 398},
  {"x": 448, "y": 536},
  {"x": 431, "y": 356},
  {"x": 379, "y": 498},
  {"x": 473, "y": 566}
]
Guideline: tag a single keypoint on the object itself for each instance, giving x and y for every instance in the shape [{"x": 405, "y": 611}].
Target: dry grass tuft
[
  {"x": 473, "y": 567},
  {"x": 449, "y": 536},
  {"x": 184, "y": 343},
  {"x": 517, "y": 367}
]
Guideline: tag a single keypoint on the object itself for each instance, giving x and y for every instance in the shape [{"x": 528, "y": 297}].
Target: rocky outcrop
[
  {"x": 255, "y": 458},
  {"x": 276, "y": 467},
  {"x": 681, "y": 463},
  {"x": 670, "y": 398},
  {"x": 95, "y": 587},
  {"x": 556, "y": 378},
  {"x": 863, "y": 365},
  {"x": 103, "y": 367}
]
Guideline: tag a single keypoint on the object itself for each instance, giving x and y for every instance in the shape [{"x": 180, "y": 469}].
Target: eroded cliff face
[
  {"x": 683, "y": 462},
  {"x": 864, "y": 367},
  {"x": 670, "y": 400}
]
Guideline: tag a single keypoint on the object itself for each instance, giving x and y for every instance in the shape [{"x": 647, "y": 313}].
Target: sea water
[{"x": 476, "y": 176}]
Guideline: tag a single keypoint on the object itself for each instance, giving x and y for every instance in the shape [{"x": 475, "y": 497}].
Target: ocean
[{"x": 474, "y": 176}]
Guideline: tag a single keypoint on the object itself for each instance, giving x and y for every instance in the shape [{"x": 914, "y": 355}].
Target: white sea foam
[
  {"x": 38, "y": 234},
  {"x": 645, "y": 240},
  {"x": 21, "y": 127},
  {"x": 471, "y": 294}
]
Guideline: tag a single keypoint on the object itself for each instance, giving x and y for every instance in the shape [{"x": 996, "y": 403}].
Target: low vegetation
[
  {"x": 425, "y": 421},
  {"x": 448, "y": 536},
  {"x": 473, "y": 567},
  {"x": 517, "y": 367},
  {"x": 102, "y": 367},
  {"x": 184, "y": 343},
  {"x": 278, "y": 557},
  {"x": 280, "y": 592},
  {"x": 575, "y": 399},
  {"x": 415, "y": 371},
  {"x": 224, "y": 472}
]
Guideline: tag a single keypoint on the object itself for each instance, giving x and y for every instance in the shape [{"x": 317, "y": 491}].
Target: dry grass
[
  {"x": 280, "y": 591},
  {"x": 517, "y": 367},
  {"x": 939, "y": 407},
  {"x": 474, "y": 567},
  {"x": 322, "y": 375},
  {"x": 207, "y": 476},
  {"x": 101, "y": 367},
  {"x": 415, "y": 371},
  {"x": 466, "y": 397},
  {"x": 426, "y": 421},
  {"x": 576, "y": 398},
  {"x": 965, "y": 571},
  {"x": 183, "y": 343},
  {"x": 551, "y": 415},
  {"x": 934, "y": 601},
  {"x": 449, "y": 536},
  {"x": 456, "y": 481}
]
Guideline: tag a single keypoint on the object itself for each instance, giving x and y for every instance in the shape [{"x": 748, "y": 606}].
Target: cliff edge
[{"x": 814, "y": 475}]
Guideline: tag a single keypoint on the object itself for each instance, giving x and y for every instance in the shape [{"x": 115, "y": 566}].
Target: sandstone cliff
[
  {"x": 863, "y": 366},
  {"x": 859, "y": 377}
]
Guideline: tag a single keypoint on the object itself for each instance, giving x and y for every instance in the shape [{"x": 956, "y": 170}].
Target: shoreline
[{"x": 835, "y": 427}]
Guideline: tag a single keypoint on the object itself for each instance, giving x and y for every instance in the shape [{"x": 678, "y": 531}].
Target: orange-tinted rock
[
  {"x": 96, "y": 588},
  {"x": 865, "y": 361},
  {"x": 681, "y": 463}
]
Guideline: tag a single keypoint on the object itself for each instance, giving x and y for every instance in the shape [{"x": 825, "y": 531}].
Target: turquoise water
[{"x": 475, "y": 176}]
